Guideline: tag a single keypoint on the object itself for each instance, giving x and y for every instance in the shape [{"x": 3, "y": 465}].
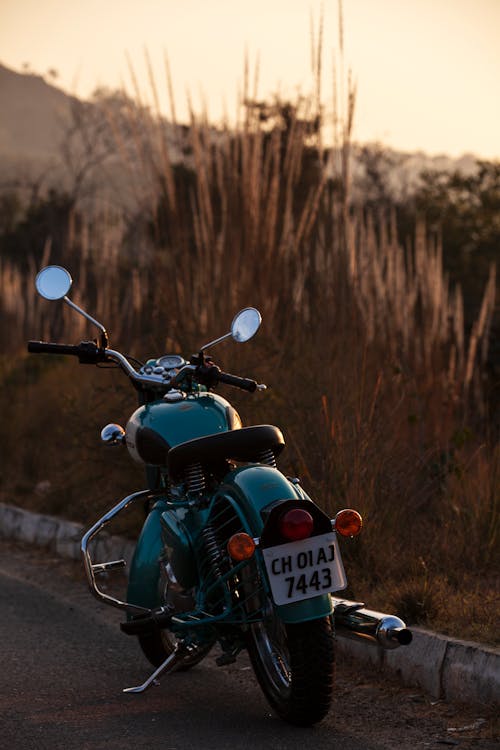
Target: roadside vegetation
[{"x": 386, "y": 386}]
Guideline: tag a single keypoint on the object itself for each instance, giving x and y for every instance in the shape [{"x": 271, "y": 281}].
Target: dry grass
[{"x": 372, "y": 378}]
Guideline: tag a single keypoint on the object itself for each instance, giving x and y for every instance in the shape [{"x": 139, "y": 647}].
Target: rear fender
[
  {"x": 252, "y": 490},
  {"x": 256, "y": 487}
]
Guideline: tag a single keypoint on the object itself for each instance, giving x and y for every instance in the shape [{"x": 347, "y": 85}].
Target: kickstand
[{"x": 167, "y": 665}]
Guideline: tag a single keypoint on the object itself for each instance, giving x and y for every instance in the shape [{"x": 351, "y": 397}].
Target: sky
[{"x": 427, "y": 71}]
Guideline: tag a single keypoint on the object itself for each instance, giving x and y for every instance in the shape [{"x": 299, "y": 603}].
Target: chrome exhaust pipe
[{"x": 354, "y": 621}]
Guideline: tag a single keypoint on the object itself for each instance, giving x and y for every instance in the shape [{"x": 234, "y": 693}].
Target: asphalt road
[{"x": 65, "y": 662}]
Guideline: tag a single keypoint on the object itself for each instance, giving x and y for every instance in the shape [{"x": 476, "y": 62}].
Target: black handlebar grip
[
  {"x": 245, "y": 383},
  {"x": 45, "y": 347},
  {"x": 88, "y": 352}
]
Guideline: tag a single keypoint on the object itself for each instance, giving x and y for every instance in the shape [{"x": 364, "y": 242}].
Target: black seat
[{"x": 246, "y": 444}]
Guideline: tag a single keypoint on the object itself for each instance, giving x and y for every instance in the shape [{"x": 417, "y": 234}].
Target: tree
[{"x": 465, "y": 211}]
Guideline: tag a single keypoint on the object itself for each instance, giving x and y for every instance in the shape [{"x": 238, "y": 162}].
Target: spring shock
[
  {"x": 267, "y": 457},
  {"x": 195, "y": 478},
  {"x": 212, "y": 550}
]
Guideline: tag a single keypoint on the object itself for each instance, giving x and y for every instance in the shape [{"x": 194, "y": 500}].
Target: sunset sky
[{"x": 428, "y": 71}]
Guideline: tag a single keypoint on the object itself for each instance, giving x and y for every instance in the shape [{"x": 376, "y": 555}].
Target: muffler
[{"x": 352, "y": 620}]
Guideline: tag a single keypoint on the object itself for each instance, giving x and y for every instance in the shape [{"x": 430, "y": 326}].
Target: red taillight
[{"x": 296, "y": 524}]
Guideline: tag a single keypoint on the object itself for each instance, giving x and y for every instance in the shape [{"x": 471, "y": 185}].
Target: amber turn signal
[
  {"x": 348, "y": 522},
  {"x": 241, "y": 547}
]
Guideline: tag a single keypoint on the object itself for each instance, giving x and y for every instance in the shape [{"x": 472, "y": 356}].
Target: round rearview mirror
[
  {"x": 53, "y": 282},
  {"x": 245, "y": 324}
]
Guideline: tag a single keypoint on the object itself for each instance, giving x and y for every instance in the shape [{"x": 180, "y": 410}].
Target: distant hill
[
  {"x": 36, "y": 117},
  {"x": 33, "y": 114}
]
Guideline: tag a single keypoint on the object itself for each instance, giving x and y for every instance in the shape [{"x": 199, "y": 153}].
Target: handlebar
[
  {"x": 244, "y": 383},
  {"x": 210, "y": 375},
  {"x": 89, "y": 353},
  {"x": 46, "y": 348}
]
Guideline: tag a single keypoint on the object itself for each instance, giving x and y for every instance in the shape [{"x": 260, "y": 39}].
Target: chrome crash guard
[{"x": 92, "y": 568}]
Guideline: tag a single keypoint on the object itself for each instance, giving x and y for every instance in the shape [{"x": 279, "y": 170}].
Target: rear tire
[{"x": 294, "y": 665}]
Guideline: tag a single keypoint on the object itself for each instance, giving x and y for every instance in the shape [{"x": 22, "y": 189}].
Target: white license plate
[{"x": 301, "y": 570}]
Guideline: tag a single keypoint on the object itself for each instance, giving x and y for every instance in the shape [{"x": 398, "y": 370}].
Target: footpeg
[
  {"x": 105, "y": 566},
  {"x": 346, "y": 607},
  {"x": 156, "y": 620}
]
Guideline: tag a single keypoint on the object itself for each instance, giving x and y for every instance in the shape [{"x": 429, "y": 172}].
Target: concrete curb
[
  {"x": 60, "y": 535},
  {"x": 446, "y": 668}
]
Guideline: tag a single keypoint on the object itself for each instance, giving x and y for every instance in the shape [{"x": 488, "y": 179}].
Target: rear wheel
[{"x": 294, "y": 665}]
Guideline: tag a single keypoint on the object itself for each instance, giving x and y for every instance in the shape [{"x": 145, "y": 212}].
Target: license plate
[{"x": 301, "y": 570}]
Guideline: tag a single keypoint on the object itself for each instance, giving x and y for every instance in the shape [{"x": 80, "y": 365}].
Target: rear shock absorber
[
  {"x": 214, "y": 556},
  {"x": 267, "y": 457},
  {"x": 195, "y": 478}
]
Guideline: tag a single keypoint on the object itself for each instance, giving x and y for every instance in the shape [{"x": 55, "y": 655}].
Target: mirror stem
[
  {"x": 104, "y": 334},
  {"x": 216, "y": 341}
]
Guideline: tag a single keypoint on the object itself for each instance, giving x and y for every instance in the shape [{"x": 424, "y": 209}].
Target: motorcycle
[{"x": 232, "y": 552}]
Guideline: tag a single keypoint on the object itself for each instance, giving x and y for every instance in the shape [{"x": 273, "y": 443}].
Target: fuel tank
[{"x": 156, "y": 427}]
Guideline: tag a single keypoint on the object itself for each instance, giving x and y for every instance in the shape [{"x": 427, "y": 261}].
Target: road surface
[{"x": 65, "y": 662}]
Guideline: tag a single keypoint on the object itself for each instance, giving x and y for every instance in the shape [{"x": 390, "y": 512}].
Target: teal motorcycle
[{"x": 232, "y": 553}]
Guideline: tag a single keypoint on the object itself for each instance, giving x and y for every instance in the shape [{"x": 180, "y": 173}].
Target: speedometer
[{"x": 170, "y": 361}]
